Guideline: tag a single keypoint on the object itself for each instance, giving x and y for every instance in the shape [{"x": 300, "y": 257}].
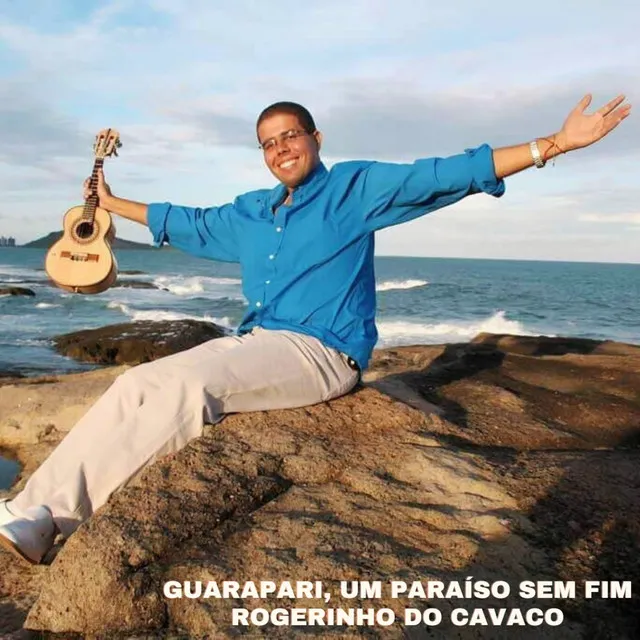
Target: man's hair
[{"x": 292, "y": 108}]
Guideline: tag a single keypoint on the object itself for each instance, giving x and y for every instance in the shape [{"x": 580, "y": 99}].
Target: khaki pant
[{"x": 155, "y": 409}]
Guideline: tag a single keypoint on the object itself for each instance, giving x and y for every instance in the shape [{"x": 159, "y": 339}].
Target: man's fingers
[
  {"x": 584, "y": 103},
  {"x": 610, "y": 106},
  {"x": 614, "y": 119}
]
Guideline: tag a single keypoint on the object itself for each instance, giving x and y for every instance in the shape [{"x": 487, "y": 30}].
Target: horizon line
[{"x": 383, "y": 255}]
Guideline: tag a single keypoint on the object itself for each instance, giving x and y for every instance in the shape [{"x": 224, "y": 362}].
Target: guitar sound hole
[{"x": 84, "y": 230}]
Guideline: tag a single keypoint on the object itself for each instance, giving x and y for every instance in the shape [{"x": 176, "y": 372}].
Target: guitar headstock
[{"x": 106, "y": 144}]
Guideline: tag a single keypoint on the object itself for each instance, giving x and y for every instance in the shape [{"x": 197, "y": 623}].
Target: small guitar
[{"x": 82, "y": 261}]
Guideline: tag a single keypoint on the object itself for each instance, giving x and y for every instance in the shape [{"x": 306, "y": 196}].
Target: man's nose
[{"x": 282, "y": 146}]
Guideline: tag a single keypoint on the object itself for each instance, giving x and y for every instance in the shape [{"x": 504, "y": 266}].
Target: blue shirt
[{"x": 308, "y": 267}]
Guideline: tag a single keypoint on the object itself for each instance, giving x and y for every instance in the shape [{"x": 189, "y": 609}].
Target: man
[{"x": 306, "y": 249}]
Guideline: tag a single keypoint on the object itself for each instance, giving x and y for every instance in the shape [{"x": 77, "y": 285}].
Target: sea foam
[
  {"x": 390, "y": 285},
  {"x": 406, "y": 332}
]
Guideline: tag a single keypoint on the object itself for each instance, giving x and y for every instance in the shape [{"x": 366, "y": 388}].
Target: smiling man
[
  {"x": 306, "y": 248},
  {"x": 290, "y": 142}
]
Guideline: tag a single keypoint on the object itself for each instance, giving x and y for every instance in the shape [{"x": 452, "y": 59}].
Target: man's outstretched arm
[
  {"x": 130, "y": 209},
  {"x": 136, "y": 211},
  {"x": 210, "y": 232},
  {"x": 579, "y": 130},
  {"x": 390, "y": 193}
]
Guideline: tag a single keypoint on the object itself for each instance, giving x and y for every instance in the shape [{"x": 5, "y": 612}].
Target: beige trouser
[{"x": 155, "y": 409}]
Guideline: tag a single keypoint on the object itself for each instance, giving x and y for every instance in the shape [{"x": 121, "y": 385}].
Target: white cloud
[
  {"x": 184, "y": 82},
  {"x": 624, "y": 218},
  {"x": 32, "y": 130}
]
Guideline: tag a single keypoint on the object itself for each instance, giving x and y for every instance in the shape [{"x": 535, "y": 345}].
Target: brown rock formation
[
  {"x": 528, "y": 471},
  {"x": 135, "y": 342}
]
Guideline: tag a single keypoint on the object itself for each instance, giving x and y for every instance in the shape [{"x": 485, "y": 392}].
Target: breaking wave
[
  {"x": 390, "y": 285},
  {"x": 401, "y": 332}
]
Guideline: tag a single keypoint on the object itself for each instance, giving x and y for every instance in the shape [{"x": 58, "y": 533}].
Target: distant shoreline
[
  {"x": 47, "y": 241},
  {"x": 121, "y": 243}
]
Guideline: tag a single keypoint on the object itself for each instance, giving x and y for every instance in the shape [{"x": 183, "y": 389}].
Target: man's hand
[
  {"x": 103, "y": 190},
  {"x": 136, "y": 211},
  {"x": 580, "y": 130}
]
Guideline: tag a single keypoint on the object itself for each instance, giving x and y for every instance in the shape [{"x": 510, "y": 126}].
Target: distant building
[{"x": 7, "y": 242}]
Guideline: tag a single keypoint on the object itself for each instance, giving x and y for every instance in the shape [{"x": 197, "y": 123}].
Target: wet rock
[
  {"x": 137, "y": 284},
  {"x": 135, "y": 342},
  {"x": 9, "y": 373},
  {"x": 16, "y": 291}
]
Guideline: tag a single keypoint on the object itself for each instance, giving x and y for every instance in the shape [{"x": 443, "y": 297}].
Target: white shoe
[
  {"x": 8, "y": 514},
  {"x": 29, "y": 536},
  {"x": 5, "y": 515}
]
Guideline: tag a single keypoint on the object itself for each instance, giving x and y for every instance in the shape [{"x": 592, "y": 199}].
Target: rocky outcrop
[
  {"x": 506, "y": 458},
  {"x": 354, "y": 489},
  {"x": 135, "y": 342},
  {"x": 121, "y": 283},
  {"x": 136, "y": 284},
  {"x": 526, "y": 393},
  {"x": 16, "y": 291}
]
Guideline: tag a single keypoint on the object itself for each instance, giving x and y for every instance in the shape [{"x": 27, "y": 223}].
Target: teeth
[{"x": 287, "y": 164}]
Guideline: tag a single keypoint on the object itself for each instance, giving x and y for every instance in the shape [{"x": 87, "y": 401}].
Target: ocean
[{"x": 419, "y": 300}]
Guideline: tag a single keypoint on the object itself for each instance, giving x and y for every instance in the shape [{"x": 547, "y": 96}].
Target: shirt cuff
[
  {"x": 484, "y": 172},
  {"x": 157, "y": 214}
]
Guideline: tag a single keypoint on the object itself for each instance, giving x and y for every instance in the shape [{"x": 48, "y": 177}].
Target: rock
[
  {"x": 354, "y": 489},
  {"x": 137, "y": 284},
  {"x": 522, "y": 473},
  {"x": 554, "y": 346},
  {"x": 135, "y": 342},
  {"x": 16, "y": 291},
  {"x": 120, "y": 283},
  {"x": 560, "y": 392},
  {"x": 8, "y": 373}
]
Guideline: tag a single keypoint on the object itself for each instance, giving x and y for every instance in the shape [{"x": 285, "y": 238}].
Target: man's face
[{"x": 290, "y": 152}]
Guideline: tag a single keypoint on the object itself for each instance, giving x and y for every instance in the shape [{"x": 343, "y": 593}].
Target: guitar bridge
[{"x": 80, "y": 257}]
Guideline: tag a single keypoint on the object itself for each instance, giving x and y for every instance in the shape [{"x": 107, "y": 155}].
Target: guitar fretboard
[{"x": 90, "y": 205}]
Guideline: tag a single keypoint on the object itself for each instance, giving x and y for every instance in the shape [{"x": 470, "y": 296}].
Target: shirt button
[
  {"x": 271, "y": 257},
  {"x": 267, "y": 281},
  {"x": 258, "y": 304},
  {"x": 278, "y": 229}
]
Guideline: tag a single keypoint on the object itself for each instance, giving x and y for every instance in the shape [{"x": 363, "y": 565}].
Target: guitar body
[{"x": 82, "y": 261}]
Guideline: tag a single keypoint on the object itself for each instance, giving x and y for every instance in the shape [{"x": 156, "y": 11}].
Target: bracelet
[
  {"x": 535, "y": 154},
  {"x": 553, "y": 143}
]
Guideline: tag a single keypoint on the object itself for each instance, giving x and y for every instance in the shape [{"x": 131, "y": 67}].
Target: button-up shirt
[{"x": 308, "y": 266}]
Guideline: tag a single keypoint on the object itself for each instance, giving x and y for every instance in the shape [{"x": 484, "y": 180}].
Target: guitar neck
[{"x": 91, "y": 204}]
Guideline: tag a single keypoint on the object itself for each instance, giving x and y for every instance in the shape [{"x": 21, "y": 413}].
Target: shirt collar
[{"x": 309, "y": 184}]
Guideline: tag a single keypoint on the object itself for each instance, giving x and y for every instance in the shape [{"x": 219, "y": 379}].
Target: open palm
[{"x": 581, "y": 129}]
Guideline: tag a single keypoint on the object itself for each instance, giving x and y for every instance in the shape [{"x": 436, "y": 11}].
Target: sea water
[{"x": 419, "y": 301}]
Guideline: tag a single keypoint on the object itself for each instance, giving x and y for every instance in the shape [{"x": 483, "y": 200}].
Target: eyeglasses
[{"x": 287, "y": 136}]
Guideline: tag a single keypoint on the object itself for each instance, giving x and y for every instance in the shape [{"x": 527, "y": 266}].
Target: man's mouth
[{"x": 287, "y": 164}]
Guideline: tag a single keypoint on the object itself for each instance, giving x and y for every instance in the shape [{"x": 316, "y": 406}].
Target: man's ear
[{"x": 318, "y": 136}]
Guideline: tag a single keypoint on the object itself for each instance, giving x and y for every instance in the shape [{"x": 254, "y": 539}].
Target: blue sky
[{"x": 392, "y": 80}]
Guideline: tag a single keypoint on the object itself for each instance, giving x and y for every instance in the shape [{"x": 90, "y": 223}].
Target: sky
[{"x": 389, "y": 80}]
